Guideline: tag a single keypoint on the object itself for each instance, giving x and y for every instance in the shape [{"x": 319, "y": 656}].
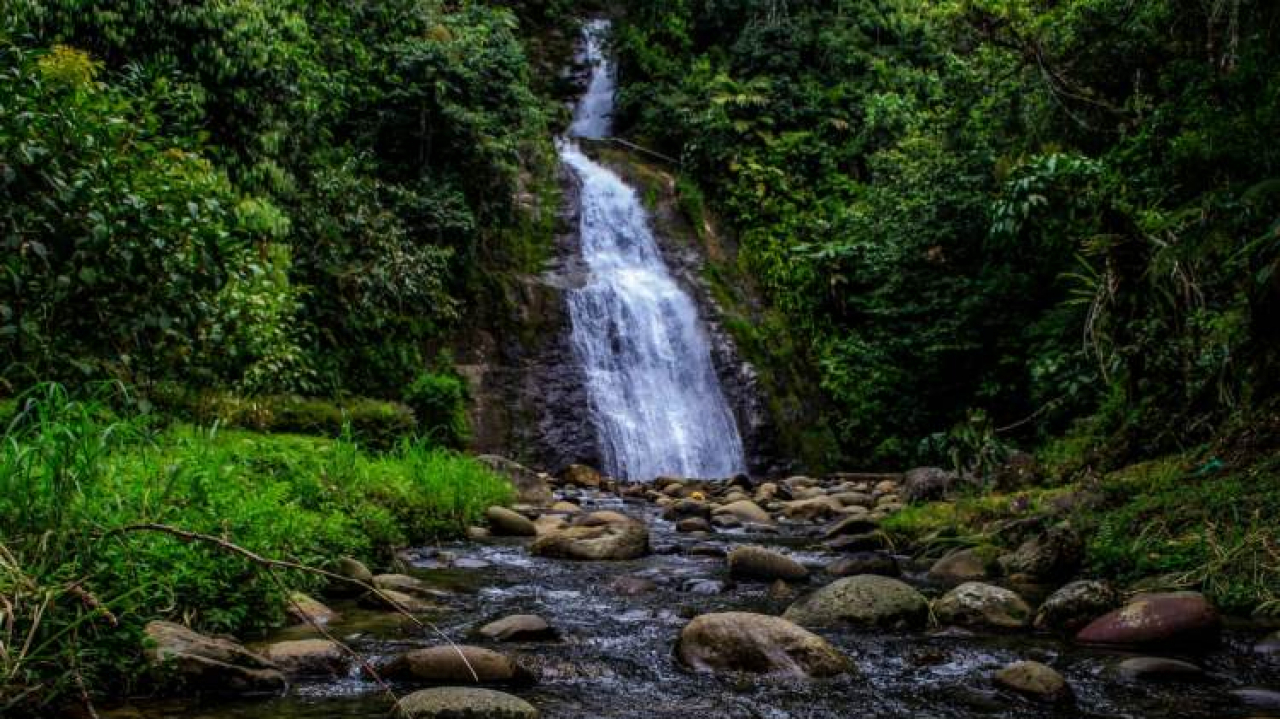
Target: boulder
[
  {"x": 548, "y": 523},
  {"x": 1052, "y": 556},
  {"x": 1034, "y": 680},
  {"x": 463, "y": 703},
  {"x": 686, "y": 509},
  {"x": 758, "y": 644},
  {"x": 1158, "y": 669},
  {"x": 881, "y": 563},
  {"x": 854, "y": 524},
  {"x": 309, "y": 657},
  {"x": 308, "y": 610},
  {"x": 566, "y": 508},
  {"x": 391, "y": 599},
  {"x": 811, "y": 510},
  {"x": 1181, "y": 618},
  {"x": 518, "y": 628},
  {"x": 693, "y": 524},
  {"x": 764, "y": 565},
  {"x": 446, "y": 663},
  {"x": 928, "y": 484},
  {"x": 405, "y": 584},
  {"x": 1075, "y": 605},
  {"x": 580, "y": 475},
  {"x": 531, "y": 487},
  {"x": 864, "y": 600},
  {"x": 974, "y": 604},
  {"x": 209, "y": 663},
  {"x": 964, "y": 565},
  {"x": 606, "y": 541},
  {"x": 745, "y": 511},
  {"x": 353, "y": 570},
  {"x": 866, "y": 542},
  {"x": 505, "y": 523},
  {"x": 854, "y": 499}
]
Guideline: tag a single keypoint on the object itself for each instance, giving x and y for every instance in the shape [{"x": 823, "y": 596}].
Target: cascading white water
[{"x": 656, "y": 401}]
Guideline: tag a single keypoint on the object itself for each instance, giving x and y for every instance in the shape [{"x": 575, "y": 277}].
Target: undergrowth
[{"x": 76, "y": 587}]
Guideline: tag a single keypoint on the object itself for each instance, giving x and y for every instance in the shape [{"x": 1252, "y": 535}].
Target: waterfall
[{"x": 656, "y": 402}]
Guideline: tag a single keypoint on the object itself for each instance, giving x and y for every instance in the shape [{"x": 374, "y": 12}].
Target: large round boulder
[
  {"x": 595, "y": 539},
  {"x": 926, "y": 484},
  {"x": 759, "y": 644},
  {"x": 1182, "y": 618},
  {"x": 456, "y": 663},
  {"x": 974, "y": 604},
  {"x": 864, "y": 600},
  {"x": 209, "y": 663},
  {"x": 686, "y": 509},
  {"x": 463, "y": 703},
  {"x": 1075, "y": 605},
  {"x": 764, "y": 565}
]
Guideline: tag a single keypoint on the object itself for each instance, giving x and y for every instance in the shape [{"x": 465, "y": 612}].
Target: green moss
[{"x": 1171, "y": 523}]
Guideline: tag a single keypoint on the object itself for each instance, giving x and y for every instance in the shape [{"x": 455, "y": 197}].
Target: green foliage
[
  {"x": 439, "y": 401},
  {"x": 1203, "y": 529},
  {"x": 945, "y": 198},
  {"x": 74, "y": 476},
  {"x": 276, "y": 195}
]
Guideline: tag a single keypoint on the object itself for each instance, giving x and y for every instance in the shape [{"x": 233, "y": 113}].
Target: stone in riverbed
[
  {"x": 811, "y": 510},
  {"x": 1053, "y": 555},
  {"x": 531, "y": 487},
  {"x": 309, "y": 658},
  {"x": 204, "y": 662},
  {"x": 505, "y": 523},
  {"x": 1035, "y": 680},
  {"x": 758, "y": 644},
  {"x": 463, "y": 703},
  {"x": 518, "y": 628},
  {"x": 964, "y": 565},
  {"x": 686, "y": 509},
  {"x": 615, "y": 540},
  {"x": 693, "y": 524},
  {"x": 857, "y": 524},
  {"x": 308, "y": 610},
  {"x": 866, "y": 542},
  {"x": 392, "y": 600},
  {"x": 865, "y": 600},
  {"x": 405, "y": 584},
  {"x": 445, "y": 663},
  {"x": 1158, "y": 669},
  {"x": 764, "y": 565},
  {"x": 1075, "y": 605},
  {"x": 974, "y": 604},
  {"x": 1181, "y": 618},
  {"x": 745, "y": 511},
  {"x": 881, "y": 563},
  {"x": 580, "y": 475}
]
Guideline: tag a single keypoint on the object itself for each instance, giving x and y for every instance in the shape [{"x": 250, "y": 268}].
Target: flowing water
[
  {"x": 656, "y": 402},
  {"x": 615, "y": 658}
]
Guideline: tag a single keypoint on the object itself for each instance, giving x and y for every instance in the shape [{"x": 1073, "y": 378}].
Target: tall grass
[{"x": 75, "y": 591}]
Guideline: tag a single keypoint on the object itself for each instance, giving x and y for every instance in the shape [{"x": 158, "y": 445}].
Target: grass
[
  {"x": 1180, "y": 522},
  {"x": 75, "y": 591}
]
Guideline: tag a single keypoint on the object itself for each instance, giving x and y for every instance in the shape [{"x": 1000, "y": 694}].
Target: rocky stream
[{"x": 680, "y": 599}]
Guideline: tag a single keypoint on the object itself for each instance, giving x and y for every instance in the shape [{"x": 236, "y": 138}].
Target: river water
[{"x": 656, "y": 401}]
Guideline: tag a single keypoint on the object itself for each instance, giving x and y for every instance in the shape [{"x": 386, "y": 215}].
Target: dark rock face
[{"x": 529, "y": 393}]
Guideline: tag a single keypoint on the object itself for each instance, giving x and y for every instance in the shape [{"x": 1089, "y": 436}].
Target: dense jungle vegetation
[
  {"x": 1007, "y": 215},
  {"x": 973, "y": 225}
]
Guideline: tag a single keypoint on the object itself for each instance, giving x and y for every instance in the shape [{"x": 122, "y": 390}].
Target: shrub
[{"x": 439, "y": 401}]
